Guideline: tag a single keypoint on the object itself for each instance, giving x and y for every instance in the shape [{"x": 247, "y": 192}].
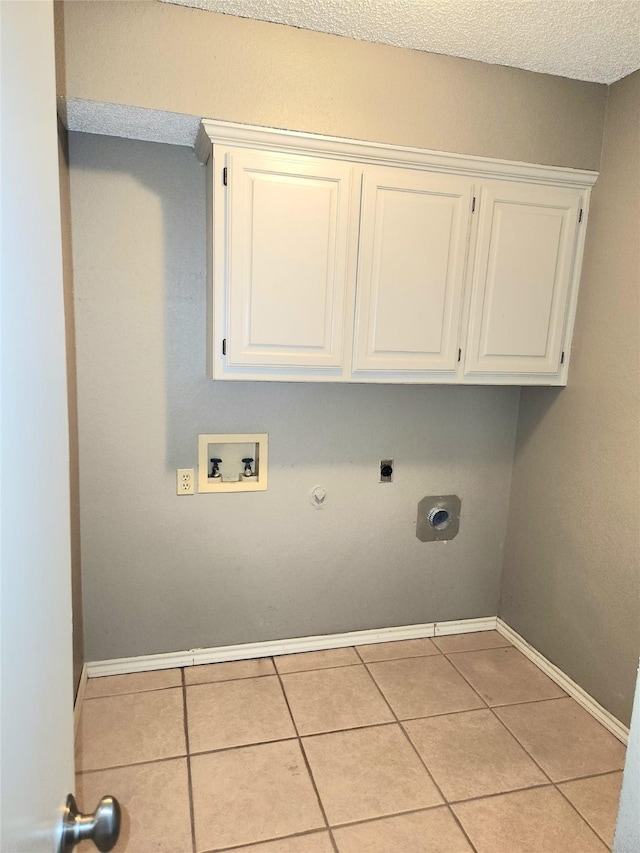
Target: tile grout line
[
  {"x": 174, "y": 686},
  {"x": 528, "y": 701},
  {"x": 495, "y": 794},
  {"x": 189, "y": 777},
  {"x": 348, "y": 824},
  {"x": 132, "y": 692},
  {"x": 550, "y": 783},
  {"x": 575, "y": 808},
  {"x": 376, "y": 819},
  {"x": 504, "y": 725},
  {"x": 526, "y": 751},
  {"x": 221, "y": 749},
  {"x": 507, "y": 645},
  {"x": 401, "y": 657},
  {"x": 400, "y": 723},
  {"x": 305, "y": 834},
  {"x": 306, "y": 761},
  {"x": 317, "y": 668},
  {"x": 420, "y": 759},
  {"x": 134, "y": 764},
  {"x": 314, "y": 735},
  {"x": 276, "y": 671}
]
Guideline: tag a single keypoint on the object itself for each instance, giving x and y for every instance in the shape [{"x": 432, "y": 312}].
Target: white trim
[
  {"x": 244, "y": 651},
  {"x": 465, "y": 626},
  {"x": 570, "y": 687},
  {"x": 141, "y": 663},
  {"x": 77, "y": 705},
  {"x": 294, "y": 142}
]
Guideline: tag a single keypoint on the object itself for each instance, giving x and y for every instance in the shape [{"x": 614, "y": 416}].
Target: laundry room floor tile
[
  {"x": 596, "y": 799},
  {"x": 136, "y": 682},
  {"x": 236, "y": 713},
  {"x": 504, "y": 676},
  {"x": 316, "y": 660},
  {"x": 330, "y": 699},
  {"x": 130, "y": 729},
  {"x": 456, "y": 744},
  {"x": 563, "y": 738},
  {"x": 422, "y": 687},
  {"x": 470, "y": 642},
  {"x": 154, "y": 799},
  {"x": 472, "y": 754},
  {"x": 538, "y": 821},
  {"x": 397, "y": 649},
  {"x": 254, "y": 793},
  {"x": 204, "y": 673},
  {"x": 431, "y": 831},
  {"x": 365, "y": 773}
]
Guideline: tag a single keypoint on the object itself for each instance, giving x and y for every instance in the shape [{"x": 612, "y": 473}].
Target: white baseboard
[
  {"x": 570, "y": 687},
  {"x": 465, "y": 626},
  {"x": 244, "y": 651},
  {"x": 77, "y": 705}
]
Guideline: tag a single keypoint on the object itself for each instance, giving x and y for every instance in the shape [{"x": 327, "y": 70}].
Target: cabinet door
[
  {"x": 413, "y": 244},
  {"x": 522, "y": 277},
  {"x": 290, "y": 235}
]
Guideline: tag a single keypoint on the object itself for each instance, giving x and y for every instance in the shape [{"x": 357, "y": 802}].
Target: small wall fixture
[
  {"x": 438, "y": 518},
  {"x": 232, "y": 462}
]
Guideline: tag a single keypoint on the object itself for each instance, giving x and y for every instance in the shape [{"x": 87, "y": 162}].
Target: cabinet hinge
[
  {"x": 459, "y": 354},
  {"x": 473, "y": 205},
  {"x": 580, "y": 216},
  {"x": 224, "y": 346},
  {"x": 562, "y": 359},
  {"x": 224, "y": 176}
]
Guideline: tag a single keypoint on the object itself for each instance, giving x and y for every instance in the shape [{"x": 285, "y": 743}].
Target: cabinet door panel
[
  {"x": 414, "y": 229},
  {"x": 289, "y": 233},
  {"x": 523, "y": 268}
]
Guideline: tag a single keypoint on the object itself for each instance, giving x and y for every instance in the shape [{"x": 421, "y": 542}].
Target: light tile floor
[{"x": 449, "y": 745}]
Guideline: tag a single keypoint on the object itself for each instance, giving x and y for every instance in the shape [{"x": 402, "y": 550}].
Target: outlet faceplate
[
  {"x": 185, "y": 481},
  {"x": 386, "y": 471}
]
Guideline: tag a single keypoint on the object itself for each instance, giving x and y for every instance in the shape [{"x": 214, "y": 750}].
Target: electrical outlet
[
  {"x": 386, "y": 471},
  {"x": 185, "y": 481}
]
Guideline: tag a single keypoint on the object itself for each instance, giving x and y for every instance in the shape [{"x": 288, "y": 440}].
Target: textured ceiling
[{"x": 597, "y": 40}]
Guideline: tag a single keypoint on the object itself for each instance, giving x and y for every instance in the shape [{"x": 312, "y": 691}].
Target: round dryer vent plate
[{"x": 438, "y": 518}]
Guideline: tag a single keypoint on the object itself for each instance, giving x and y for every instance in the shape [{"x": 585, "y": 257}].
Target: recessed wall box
[{"x": 233, "y": 462}]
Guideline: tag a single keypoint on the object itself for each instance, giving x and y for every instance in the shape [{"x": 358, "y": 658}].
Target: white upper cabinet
[
  {"x": 289, "y": 241},
  {"x": 521, "y": 278},
  {"x": 333, "y": 260},
  {"x": 414, "y": 230}
]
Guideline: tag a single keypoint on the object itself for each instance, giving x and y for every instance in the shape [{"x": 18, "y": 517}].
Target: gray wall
[
  {"x": 571, "y": 584},
  {"x": 162, "y": 572},
  {"x": 164, "y": 57}
]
